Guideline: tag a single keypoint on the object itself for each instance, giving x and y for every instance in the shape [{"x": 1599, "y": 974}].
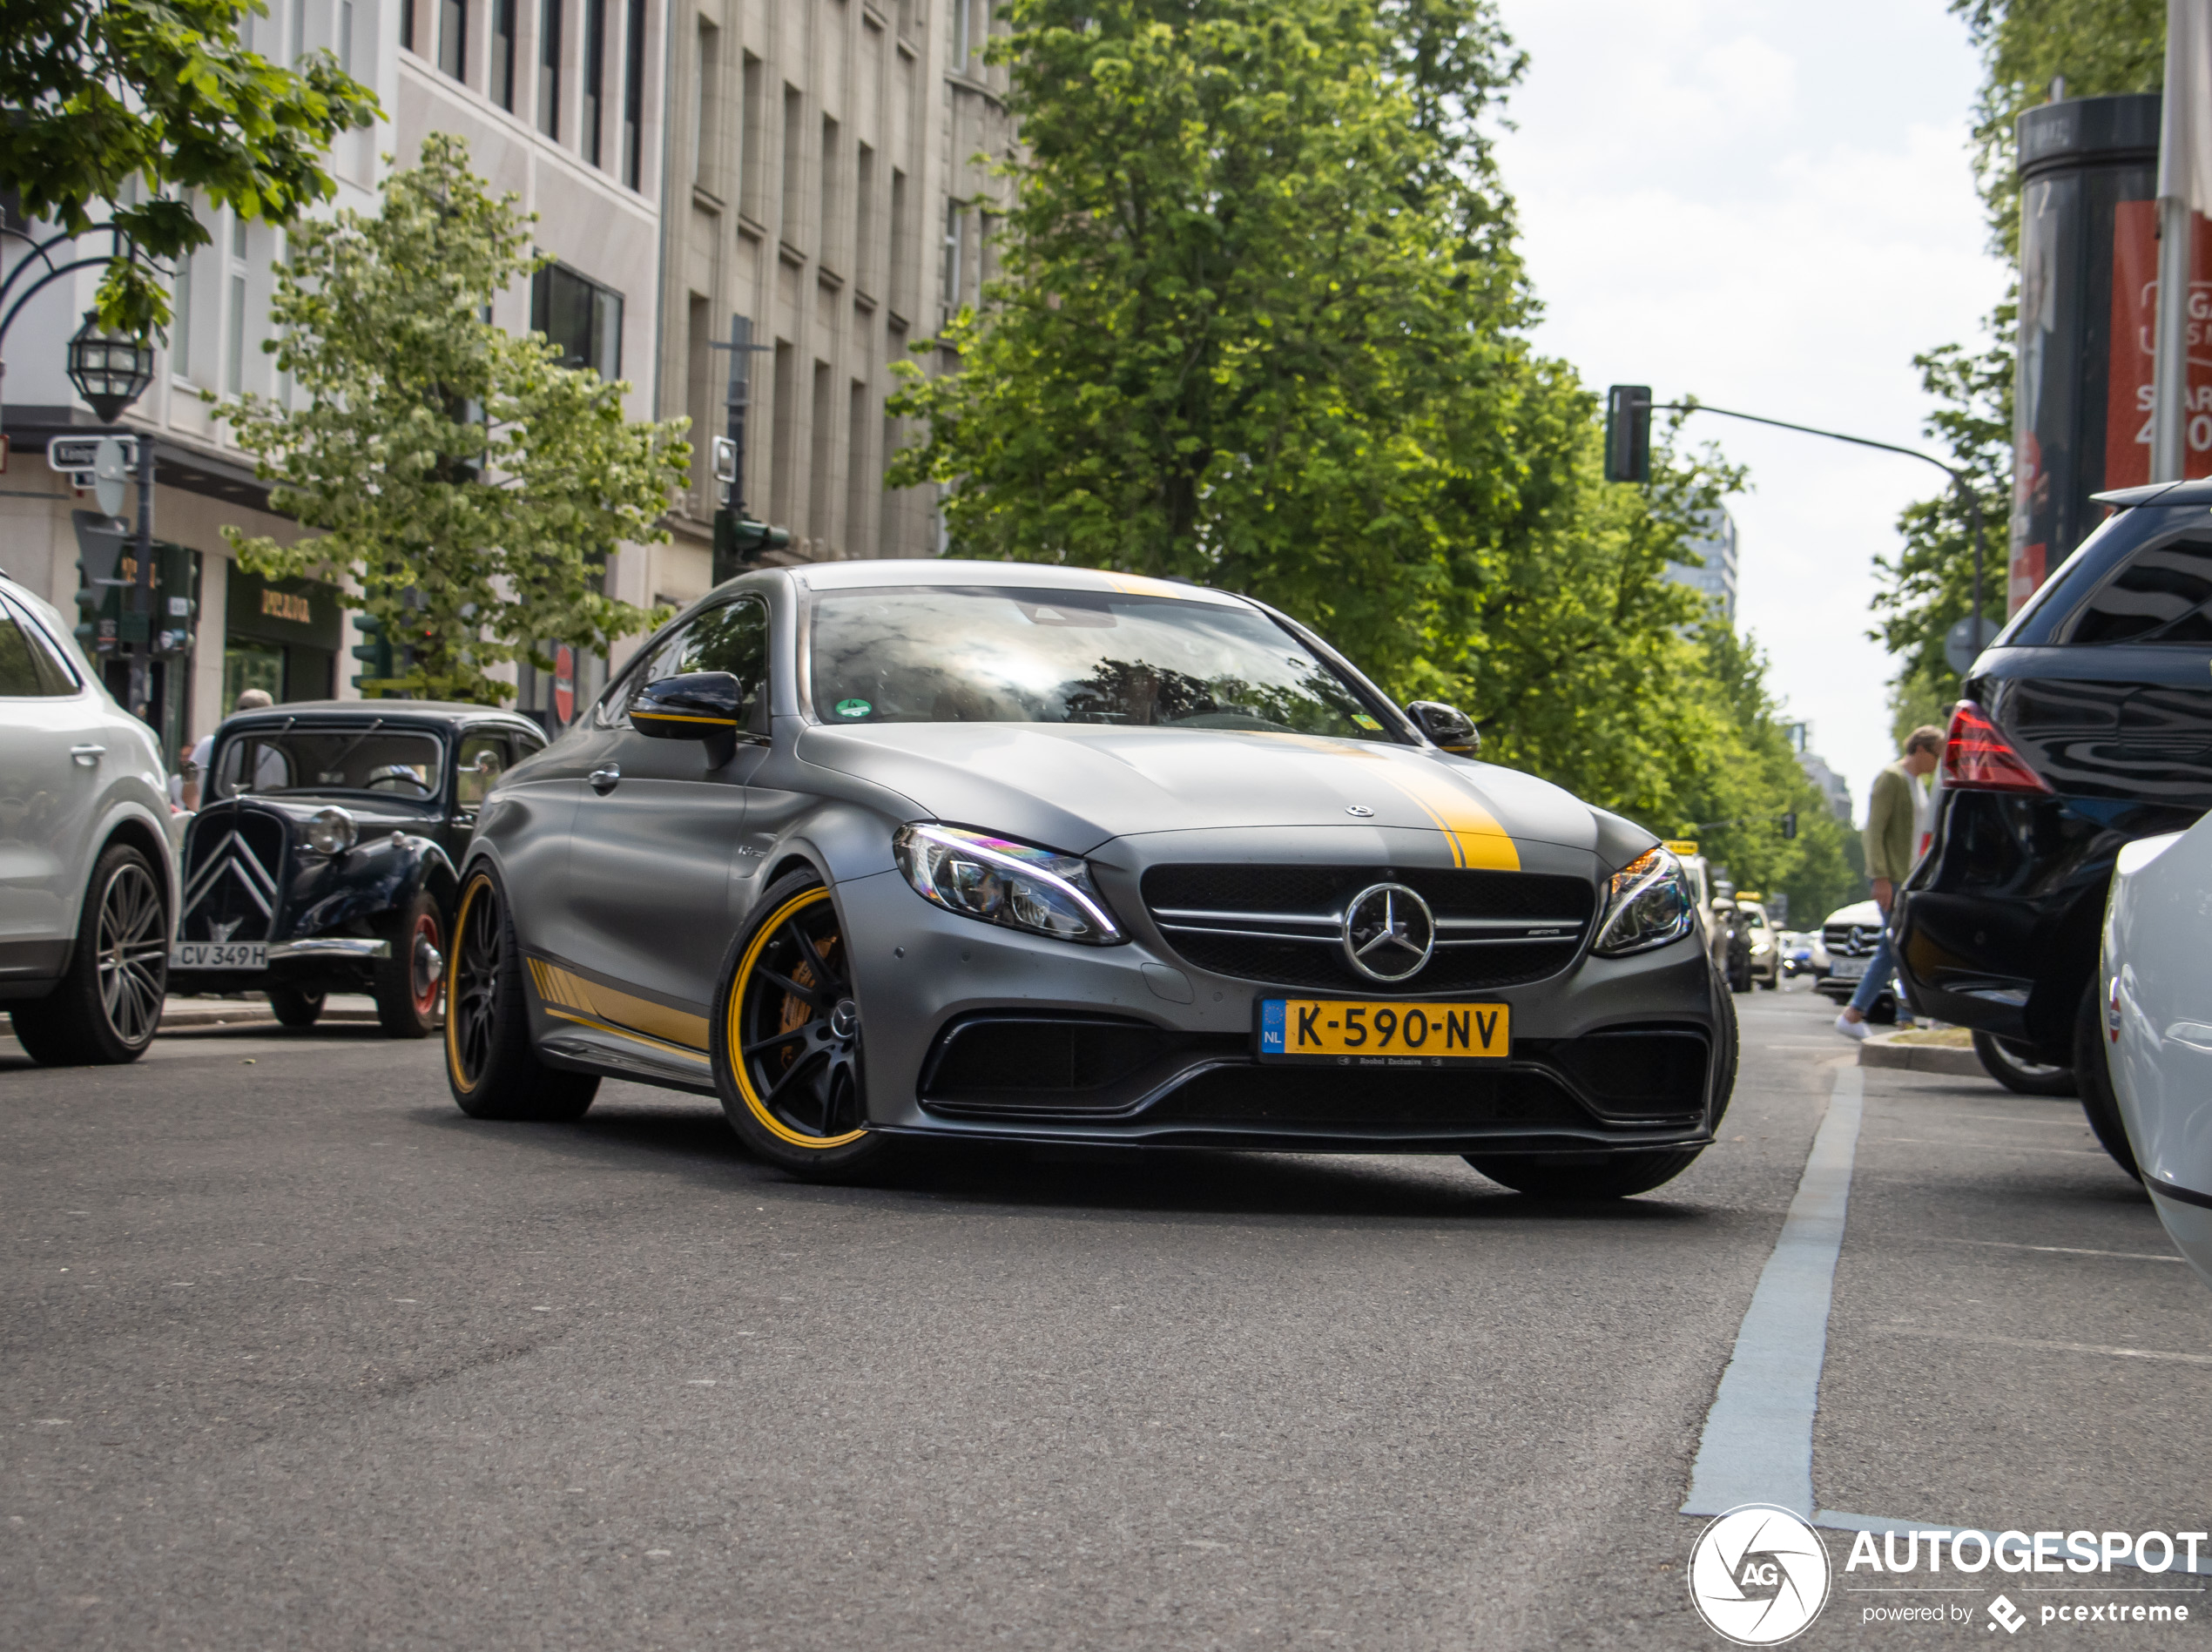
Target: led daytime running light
[
  {"x": 1022, "y": 861},
  {"x": 1647, "y": 905}
]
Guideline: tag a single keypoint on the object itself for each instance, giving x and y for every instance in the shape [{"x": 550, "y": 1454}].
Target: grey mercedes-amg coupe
[{"x": 990, "y": 851}]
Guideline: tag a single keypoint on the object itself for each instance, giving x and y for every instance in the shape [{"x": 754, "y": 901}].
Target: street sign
[
  {"x": 110, "y": 474},
  {"x": 81, "y": 454},
  {"x": 1963, "y": 643}
]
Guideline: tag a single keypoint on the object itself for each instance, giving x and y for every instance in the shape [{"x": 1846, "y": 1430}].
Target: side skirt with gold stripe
[{"x": 566, "y": 996}]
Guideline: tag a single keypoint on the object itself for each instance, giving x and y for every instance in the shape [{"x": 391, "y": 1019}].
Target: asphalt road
[{"x": 294, "y": 1354}]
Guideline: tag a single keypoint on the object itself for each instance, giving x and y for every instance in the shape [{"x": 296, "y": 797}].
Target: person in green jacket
[{"x": 1892, "y": 838}]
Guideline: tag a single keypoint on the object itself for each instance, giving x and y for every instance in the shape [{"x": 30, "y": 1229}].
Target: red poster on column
[
  {"x": 565, "y": 684},
  {"x": 2134, "y": 326}
]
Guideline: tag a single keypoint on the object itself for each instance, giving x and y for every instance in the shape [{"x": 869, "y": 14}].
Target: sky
[{"x": 1768, "y": 205}]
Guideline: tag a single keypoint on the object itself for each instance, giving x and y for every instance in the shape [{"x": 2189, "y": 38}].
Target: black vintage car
[
  {"x": 323, "y": 857},
  {"x": 2087, "y": 724}
]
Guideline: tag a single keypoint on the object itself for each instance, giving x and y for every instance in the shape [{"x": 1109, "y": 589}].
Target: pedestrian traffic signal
[
  {"x": 1789, "y": 824},
  {"x": 738, "y": 541},
  {"x": 101, "y": 540},
  {"x": 1628, "y": 433},
  {"x": 373, "y": 650}
]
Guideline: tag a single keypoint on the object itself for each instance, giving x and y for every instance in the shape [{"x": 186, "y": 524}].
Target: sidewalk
[{"x": 179, "y": 1013}]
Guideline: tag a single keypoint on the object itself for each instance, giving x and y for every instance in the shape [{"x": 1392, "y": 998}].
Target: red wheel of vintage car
[{"x": 426, "y": 963}]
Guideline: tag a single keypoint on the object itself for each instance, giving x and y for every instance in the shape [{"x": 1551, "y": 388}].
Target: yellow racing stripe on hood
[{"x": 1476, "y": 837}]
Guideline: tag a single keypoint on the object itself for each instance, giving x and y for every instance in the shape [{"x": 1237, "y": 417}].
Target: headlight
[
  {"x": 330, "y": 832},
  {"x": 997, "y": 880},
  {"x": 1647, "y": 905}
]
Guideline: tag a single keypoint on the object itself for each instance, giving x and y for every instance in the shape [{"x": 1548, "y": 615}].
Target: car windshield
[
  {"x": 968, "y": 654},
  {"x": 378, "y": 761}
]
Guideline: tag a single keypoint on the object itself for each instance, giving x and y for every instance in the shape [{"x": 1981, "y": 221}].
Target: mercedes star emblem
[
  {"x": 1388, "y": 933},
  {"x": 1359, "y": 809}
]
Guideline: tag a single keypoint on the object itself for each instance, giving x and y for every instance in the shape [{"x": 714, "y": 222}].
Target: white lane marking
[
  {"x": 1900, "y": 1329},
  {"x": 2065, "y": 1250},
  {"x": 1757, "y": 1443}
]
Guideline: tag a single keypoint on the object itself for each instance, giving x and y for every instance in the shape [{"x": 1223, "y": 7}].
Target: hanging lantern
[{"x": 110, "y": 372}]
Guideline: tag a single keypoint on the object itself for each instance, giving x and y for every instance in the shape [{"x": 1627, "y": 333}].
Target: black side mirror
[
  {"x": 698, "y": 705},
  {"x": 1446, "y": 724}
]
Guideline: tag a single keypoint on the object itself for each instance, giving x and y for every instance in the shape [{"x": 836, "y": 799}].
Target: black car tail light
[{"x": 1977, "y": 758}]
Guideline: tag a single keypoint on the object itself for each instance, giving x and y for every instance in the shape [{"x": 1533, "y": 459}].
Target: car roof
[
  {"x": 944, "y": 571},
  {"x": 335, "y": 713},
  {"x": 2196, "y": 492}
]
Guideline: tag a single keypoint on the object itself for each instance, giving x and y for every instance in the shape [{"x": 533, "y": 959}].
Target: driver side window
[{"x": 732, "y": 638}]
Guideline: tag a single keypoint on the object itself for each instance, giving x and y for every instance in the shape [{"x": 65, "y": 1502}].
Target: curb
[
  {"x": 178, "y": 1017},
  {"x": 1882, "y": 1050}
]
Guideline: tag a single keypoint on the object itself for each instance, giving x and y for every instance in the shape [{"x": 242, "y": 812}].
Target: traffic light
[
  {"x": 100, "y": 542},
  {"x": 1789, "y": 824},
  {"x": 739, "y": 539},
  {"x": 1628, "y": 433},
  {"x": 373, "y": 650}
]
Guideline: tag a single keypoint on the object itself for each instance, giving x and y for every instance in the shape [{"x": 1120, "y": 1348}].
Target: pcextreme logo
[{"x": 1758, "y": 1574}]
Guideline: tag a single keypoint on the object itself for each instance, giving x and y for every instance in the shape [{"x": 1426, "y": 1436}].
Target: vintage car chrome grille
[
  {"x": 1851, "y": 939},
  {"x": 233, "y": 875},
  {"x": 1282, "y": 925}
]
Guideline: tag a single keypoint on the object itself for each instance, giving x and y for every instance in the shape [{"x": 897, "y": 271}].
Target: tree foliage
[
  {"x": 127, "y": 105},
  {"x": 471, "y": 486},
  {"x": 1262, "y": 324}
]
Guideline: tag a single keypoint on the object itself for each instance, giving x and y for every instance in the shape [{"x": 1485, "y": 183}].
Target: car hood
[
  {"x": 1076, "y": 786},
  {"x": 1866, "y": 914}
]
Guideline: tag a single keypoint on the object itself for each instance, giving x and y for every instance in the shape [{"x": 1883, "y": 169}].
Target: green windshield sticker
[
  {"x": 853, "y": 708},
  {"x": 1364, "y": 721}
]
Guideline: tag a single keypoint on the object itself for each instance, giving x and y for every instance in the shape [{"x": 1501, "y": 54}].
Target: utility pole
[
  {"x": 737, "y": 538},
  {"x": 141, "y": 587}
]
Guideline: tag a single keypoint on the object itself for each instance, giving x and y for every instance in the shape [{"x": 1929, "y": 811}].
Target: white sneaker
[{"x": 1850, "y": 1028}]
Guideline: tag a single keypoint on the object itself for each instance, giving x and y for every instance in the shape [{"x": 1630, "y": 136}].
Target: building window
[
  {"x": 453, "y": 37},
  {"x": 793, "y": 233},
  {"x": 962, "y": 46},
  {"x": 234, "y": 341},
  {"x": 830, "y": 220},
  {"x": 901, "y": 241},
  {"x": 866, "y": 267},
  {"x": 406, "y": 23},
  {"x": 581, "y": 316},
  {"x": 753, "y": 184},
  {"x": 595, "y": 75},
  {"x": 346, "y": 36},
  {"x": 633, "y": 97},
  {"x": 503, "y": 54},
  {"x": 704, "y": 86},
  {"x": 549, "y": 67},
  {"x": 180, "y": 317},
  {"x": 955, "y": 218},
  {"x": 298, "y": 42}
]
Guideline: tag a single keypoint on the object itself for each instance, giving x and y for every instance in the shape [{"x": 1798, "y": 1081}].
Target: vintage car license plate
[
  {"x": 1351, "y": 1032},
  {"x": 1847, "y": 968},
  {"x": 218, "y": 955}
]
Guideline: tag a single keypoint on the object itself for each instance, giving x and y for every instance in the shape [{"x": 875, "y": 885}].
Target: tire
[
  {"x": 107, "y": 1009},
  {"x": 2016, "y": 1068},
  {"x": 409, "y": 983},
  {"x": 786, "y": 1035},
  {"x": 295, "y": 1007},
  {"x": 2093, "y": 1079},
  {"x": 1586, "y": 1176},
  {"x": 490, "y": 1067}
]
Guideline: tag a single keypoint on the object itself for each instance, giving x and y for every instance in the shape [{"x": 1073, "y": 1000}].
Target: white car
[
  {"x": 2156, "y": 996},
  {"x": 87, "y": 858}
]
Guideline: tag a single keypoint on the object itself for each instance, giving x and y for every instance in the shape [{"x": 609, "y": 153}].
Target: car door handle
[
  {"x": 604, "y": 780},
  {"x": 88, "y": 755}
]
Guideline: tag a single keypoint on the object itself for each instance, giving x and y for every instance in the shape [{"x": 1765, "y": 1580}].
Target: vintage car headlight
[
  {"x": 1647, "y": 905},
  {"x": 998, "y": 880},
  {"x": 330, "y": 831}
]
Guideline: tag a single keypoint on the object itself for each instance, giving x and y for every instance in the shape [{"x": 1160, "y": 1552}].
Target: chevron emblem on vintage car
[{"x": 235, "y": 856}]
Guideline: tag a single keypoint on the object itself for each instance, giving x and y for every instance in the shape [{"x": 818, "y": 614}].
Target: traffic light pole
[
  {"x": 141, "y": 587},
  {"x": 735, "y": 534}
]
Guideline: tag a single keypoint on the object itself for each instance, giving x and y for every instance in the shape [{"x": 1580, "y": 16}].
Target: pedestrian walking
[
  {"x": 254, "y": 699},
  {"x": 1894, "y": 814}
]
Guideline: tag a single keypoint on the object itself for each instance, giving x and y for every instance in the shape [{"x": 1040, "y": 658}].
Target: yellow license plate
[{"x": 1349, "y": 1033}]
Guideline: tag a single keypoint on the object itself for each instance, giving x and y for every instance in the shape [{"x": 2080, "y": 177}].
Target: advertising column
[{"x": 2088, "y": 258}]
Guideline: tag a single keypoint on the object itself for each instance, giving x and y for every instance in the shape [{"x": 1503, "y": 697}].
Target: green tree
[
  {"x": 469, "y": 485},
  {"x": 125, "y": 105}
]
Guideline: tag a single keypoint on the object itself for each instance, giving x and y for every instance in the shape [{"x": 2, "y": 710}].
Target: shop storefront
[{"x": 283, "y": 637}]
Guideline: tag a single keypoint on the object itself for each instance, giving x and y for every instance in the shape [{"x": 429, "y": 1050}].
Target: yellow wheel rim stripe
[
  {"x": 733, "y": 1030},
  {"x": 453, "y": 1022}
]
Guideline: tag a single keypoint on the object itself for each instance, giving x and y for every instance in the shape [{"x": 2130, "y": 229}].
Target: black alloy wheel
[
  {"x": 295, "y": 1007},
  {"x": 786, "y": 1036},
  {"x": 490, "y": 1067},
  {"x": 107, "y": 1009},
  {"x": 2019, "y": 1069}
]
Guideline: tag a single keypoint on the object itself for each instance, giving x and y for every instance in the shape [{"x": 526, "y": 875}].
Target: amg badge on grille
[{"x": 1388, "y": 932}]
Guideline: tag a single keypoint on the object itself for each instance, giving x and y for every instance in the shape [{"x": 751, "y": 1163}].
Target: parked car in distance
[
  {"x": 2086, "y": 726},
  {"x": 323, "y": 857},
  {"x": 1802, "y": 954},
  {"x": 1849, "y": 938},
  {"x": 2155, "y": 1028},
  {"x": 87, "y": 863},
  {"x": 1761, "y": 953},
  {"x": 995, "y": 851}
]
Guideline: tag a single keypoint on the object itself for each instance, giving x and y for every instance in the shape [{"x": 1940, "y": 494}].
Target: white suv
[{"x": 87, "y": 862}]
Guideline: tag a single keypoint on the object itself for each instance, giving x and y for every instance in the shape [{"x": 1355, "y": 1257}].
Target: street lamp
[{"x": 109, "y": 371}]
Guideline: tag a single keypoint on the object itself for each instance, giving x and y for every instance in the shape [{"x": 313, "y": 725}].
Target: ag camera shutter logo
[{"x": 1758, "y": 1575}]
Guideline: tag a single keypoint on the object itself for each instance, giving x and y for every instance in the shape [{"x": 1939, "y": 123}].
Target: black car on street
[
  {"x": 323, "y": 857},
  {"x": 2087, "y": 724}
]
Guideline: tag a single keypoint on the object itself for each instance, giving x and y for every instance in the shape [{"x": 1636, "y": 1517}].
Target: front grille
[
  {"x": 1282, "y": 924},
  {"x": 1850, "y": 941},
  {"x": 233, "y": 875},
  {"x": 1059, "y": 1064}
]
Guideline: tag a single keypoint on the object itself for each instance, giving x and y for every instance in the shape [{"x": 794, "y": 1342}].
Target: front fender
[{"x": 359, "y": 886}]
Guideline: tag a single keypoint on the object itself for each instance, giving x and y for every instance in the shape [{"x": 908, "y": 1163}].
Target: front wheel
[
  {"x": 785, "y": 1033},
  {"x": 490, "y": 1067},
  {"x": 1586, "y": 1176},
  {"x": 2094, "y": 1079},
  {"x": 2017, "y": 1067},
  {"x": 107, "y": 1007},
  {"x": 409, "y": 984},
  {"x": 295, "y": 1007}
]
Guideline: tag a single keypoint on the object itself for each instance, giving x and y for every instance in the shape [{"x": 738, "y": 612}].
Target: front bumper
[
  {"x": 921, "y": 973},
  {"x": 317, "y": 962}
]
